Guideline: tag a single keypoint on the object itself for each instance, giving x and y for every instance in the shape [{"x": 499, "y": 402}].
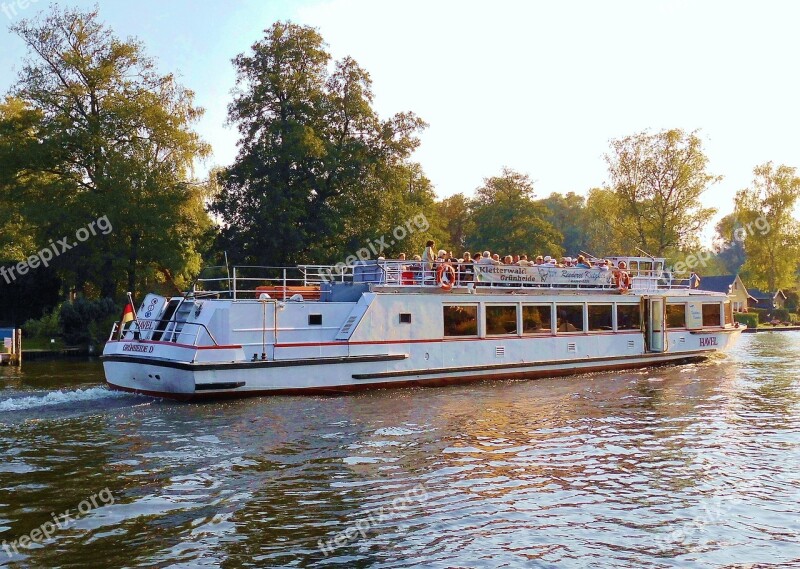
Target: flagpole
[{"x": 135, "y": 314}]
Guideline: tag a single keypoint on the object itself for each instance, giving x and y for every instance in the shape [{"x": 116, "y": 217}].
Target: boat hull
[{"x": 188, "y": 382}]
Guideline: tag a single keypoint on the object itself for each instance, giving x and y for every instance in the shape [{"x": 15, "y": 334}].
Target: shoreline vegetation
[{"x": 93, "y": 126}]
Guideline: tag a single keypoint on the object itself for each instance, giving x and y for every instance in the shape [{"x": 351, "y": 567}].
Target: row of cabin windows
[{"x": 501, "y": 320}]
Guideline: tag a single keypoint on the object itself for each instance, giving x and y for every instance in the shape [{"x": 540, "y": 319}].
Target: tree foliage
[
  {"x": 770, "y": 231},
  {"x": 659, "y": 179},
  {"x": 114, "y": 140},
  {"x": 568, "y": 214},
  {"x": 508, "y": 219},
  {"x": 318, "y": 171}
]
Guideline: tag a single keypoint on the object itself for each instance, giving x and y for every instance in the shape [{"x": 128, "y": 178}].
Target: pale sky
[{"x": 540, "y": 87}]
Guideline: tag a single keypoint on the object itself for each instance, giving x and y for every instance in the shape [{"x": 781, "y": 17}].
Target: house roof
[
  {"x": 759, "y": 294},
  {"x": 720, "y": 283}
]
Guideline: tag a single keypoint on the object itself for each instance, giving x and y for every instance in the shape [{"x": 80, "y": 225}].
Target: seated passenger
[
  {"x": 581, "y": 263},
  {"x": 539, "y": 260},
  {"x": 496, "y": 259},
  {"x": 508, "y": 260},
  {"x": 523, "y": 261}
]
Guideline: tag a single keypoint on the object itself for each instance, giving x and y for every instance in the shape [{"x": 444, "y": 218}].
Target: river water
[{"x": 688, "y": 466}]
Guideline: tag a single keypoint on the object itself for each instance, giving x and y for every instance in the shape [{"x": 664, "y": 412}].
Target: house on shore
[
  {"x": 767, "y": 300},
  {"x": 733, "y": 286}
]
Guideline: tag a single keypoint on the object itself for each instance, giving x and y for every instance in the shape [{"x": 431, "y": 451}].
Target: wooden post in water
[{"x": 17, "y": 343}]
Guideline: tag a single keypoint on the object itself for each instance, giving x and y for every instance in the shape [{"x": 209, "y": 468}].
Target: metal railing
[
  {"x": 312, "y": 281},
  {"x": 169, "y": 332}
]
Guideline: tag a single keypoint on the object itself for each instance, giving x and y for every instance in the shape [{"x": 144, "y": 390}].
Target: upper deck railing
[{"x": 313, "y": 282}]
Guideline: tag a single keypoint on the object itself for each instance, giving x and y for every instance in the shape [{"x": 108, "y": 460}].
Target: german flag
[{"x": 128, "y": 315}]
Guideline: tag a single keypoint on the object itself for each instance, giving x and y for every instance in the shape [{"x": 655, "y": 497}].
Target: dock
[{"x": 11, "y": 350}]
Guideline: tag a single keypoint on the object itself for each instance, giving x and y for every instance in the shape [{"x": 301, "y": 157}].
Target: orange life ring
[
  {"x": 445, "y": 283},
  {"x": 623, "y": 280}
]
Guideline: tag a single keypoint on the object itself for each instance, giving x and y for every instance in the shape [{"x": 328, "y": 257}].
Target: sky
[{"x": 540, "y": 87}]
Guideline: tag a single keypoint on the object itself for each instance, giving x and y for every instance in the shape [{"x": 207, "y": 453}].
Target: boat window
[
  {"x": 315, "y": 319},
  {"x": 501, "y": 320},
  {"x": 711, "y": 314},
  {"x": 628, "y": 317},
  {"x": 405, "y": 318},
  {"x": 633, "y": 267},
  {"x": 646, "y": 266},
  {"x": 460, "y": 320},
  {"x": 600, "y": 317},
  {"x": 570, "y": 317},
  {"x": 728, "y": 312},
  {"x": 537, "y": 319},
  {"x": 676, "y": 316}
]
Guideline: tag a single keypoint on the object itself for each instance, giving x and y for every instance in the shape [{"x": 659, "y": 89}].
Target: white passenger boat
[{"x": 256, "y": 331}]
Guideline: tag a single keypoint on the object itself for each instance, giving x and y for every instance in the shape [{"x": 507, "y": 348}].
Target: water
[{"x": 690, "y": 466}]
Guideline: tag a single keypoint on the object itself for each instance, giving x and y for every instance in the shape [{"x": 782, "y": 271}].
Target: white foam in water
[{"x": 58, "y": 398}]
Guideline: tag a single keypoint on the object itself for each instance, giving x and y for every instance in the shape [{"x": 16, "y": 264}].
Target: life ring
[
  {"x": 446, "y": 283},
  {"x": 623, "y": 280}
]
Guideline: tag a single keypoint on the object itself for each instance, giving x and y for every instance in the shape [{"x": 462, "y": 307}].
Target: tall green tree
[
  {"x": 567, "y": 213},
  {"x": 770, "y": 232},
  {"x": 729, "y": 243},
  {"x": 18, "y": 151},
  {"x": 318, "y": 171},
  {"x": 455, "y": 216},
  {"x": 508, "y": 220},
  {"x": 118, "y": 142},
  {"x": 659, "y": 179}
]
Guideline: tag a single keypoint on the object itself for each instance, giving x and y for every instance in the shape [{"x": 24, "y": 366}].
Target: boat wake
[{"x": 60, "y": 397}]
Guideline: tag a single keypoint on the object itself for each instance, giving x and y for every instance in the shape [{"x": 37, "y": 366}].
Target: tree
[
  {"x": 318, "y": 171},
  {"x": 770, "y": 233},
  {"x": 509, "y": 221},
  {"x": 567, "y": 213},
  {"x": 729, "y": 245},
  {"x": 117, "y": 142},
  {"x": 659, "y": 179},
  {"x": 18, "y": 144},
  {"x": 455, "y": 215},
  {"x": 609, "y": 228}
]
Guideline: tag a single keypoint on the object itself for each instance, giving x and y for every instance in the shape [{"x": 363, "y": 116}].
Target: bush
[
  {"x": 781, "y": 314},
  {"x": 81, "y": 320},
  {"x": 748, "y": 318},
  {"x": 763, "y": 314},
  {"x": 48, "y": 326}
]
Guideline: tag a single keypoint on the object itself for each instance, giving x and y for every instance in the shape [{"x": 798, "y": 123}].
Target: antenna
[
  {"x": 646, "y": 254},
  {"x": 587, "y": 254}
]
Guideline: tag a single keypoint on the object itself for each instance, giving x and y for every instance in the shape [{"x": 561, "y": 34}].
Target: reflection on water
[{"x": 690, "y": 466}]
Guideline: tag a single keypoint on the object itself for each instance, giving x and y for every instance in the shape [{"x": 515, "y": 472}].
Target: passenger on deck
[
  {"x": 523, "y": 261},
  {"x": 486, "y": 259},
  {"x": 539, "y": 260},
  {"x": 428, "y": 257},
  {"x": 465, "y": 271},
  {"x": 582, "y": 264},
  {"x": 548, "y": 262},
  {"x": 496, "y": 259},
  {"x": 508, "y": 260}
]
